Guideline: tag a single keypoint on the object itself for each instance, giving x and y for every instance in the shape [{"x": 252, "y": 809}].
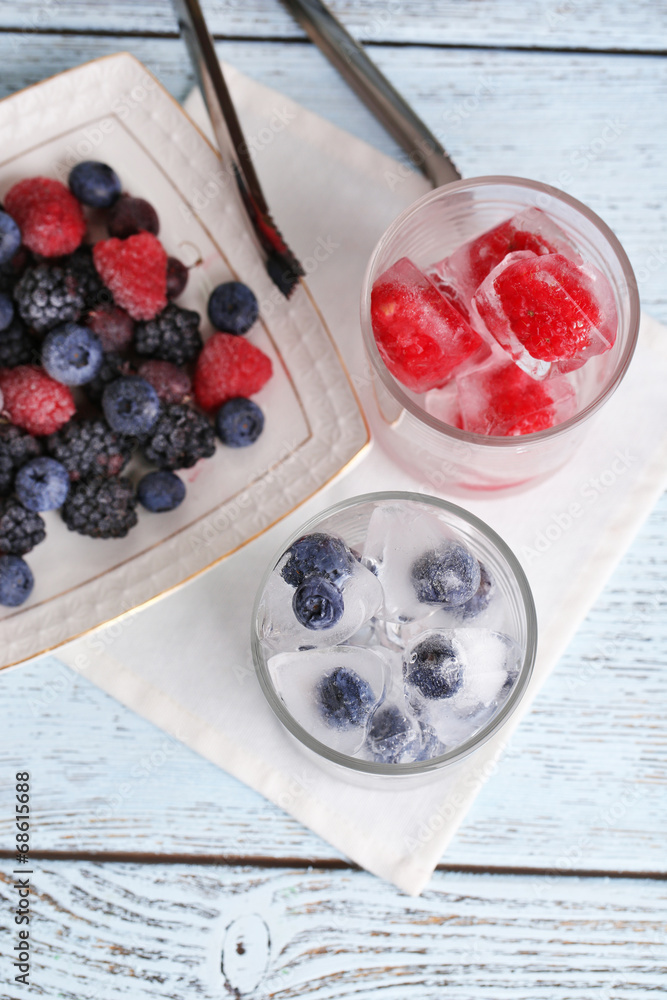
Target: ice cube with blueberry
[
  {"x": 331, "y": 692},
  {"x": 394, "y": 735}
]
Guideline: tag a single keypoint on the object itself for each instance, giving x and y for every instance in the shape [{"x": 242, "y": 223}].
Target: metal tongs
[
  {"x": 374, "y": 89},
  {"x": 281, "y": 263}
]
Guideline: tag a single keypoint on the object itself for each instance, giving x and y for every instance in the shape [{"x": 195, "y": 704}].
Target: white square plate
[{"x": 114, "y": 110}]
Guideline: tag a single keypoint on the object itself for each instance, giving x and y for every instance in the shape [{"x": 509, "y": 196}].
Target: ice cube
[
  {"x": 280, "y": 629},
  {"x": 422, "y": 337},
  {"x": 444, "y": 404},
  {"x": 472, "y": 673},
  {"x": 547, "y": 312},
  {"x": 394, "y": 736},
  {"x": 461, "y": 274},
  {"x": 330, "y": 692},
  {"x": 396, "y": 537},
  {"x": 503, "y": 401}
]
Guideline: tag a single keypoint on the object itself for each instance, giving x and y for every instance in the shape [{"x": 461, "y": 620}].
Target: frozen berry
[
  {"x": 16, "y": 581},
  {"x": 20, "y": 529},
  {"x": 94, "y": 184},
  {"x": 48, "y": 215},
  {"x": 16, "y": 448},
  {"x": 229, "y": 366},
  {"x": 10, "y": 238},
  {"x": 171, "y": 383},
  {"x": 135, "y": 271},
  {"x": 113, "y": 366},
  {"x": 47, "y": 295},
  {"x": 13, "y": 269},
  {"x": 160, "y": 491},
  {"x": 72, "y": 354},
  {"x": 317, "y": 603},
  {"x": 344, "y": 699},
  {"x": 112, "y": 326},
  {"x": 481, "y": 598},
  {"x": 179, "y": 438},
  {"x": 177, "y": 277},
  {"x": 449, "y": 575},
  {"x": 435, "y": 667},
  {"x": 6, "y": 311},
  {"x": 101, "y": 508},
  {"x": 89, "y": 448},
  {"x": 16, "y": 346},
  {"x": 392, "y": 737},
  {"x": 42, "y": 484},
  {"x": 172, "y": 336},
  {"x": 505, "y": 401},
  {"x": 130, "y": 216},
  {"x": 131, "y": 406},
  {"x": 318, "y": 554},
  {"x": 35, "y": 401},
  {"x": 239, "y": 422},
  {"x": 232, "y": 307},
  {"x": 80, "y": 268}
]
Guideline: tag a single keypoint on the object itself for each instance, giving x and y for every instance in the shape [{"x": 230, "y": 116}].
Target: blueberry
[
  {"x": 131, "y": 406},
  {"x": 482, "y": 598},
  {"x": 72, "y": 354},
  {"x": 160, "y": 491},
  {"x": 232, "y": 307},
  {"x": 317, "y": 604},
  {"x": 94, "y": 184},
  {"x": 392, "y": 738},
  {"x": 10, "y": 238},
  {"x": 239, "y": 422},
  {"x": 6, "y": 311},
  {"x": 42, "y": 484},
  {"x": 449, "y": 575},
  {"x": 16, "y": 581},
  {"x": 434, "y": 667},
  {"x": 320, "y": 555},
  {"x": 344, "y": 698}
]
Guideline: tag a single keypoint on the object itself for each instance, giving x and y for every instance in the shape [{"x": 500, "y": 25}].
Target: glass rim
[
  {"x": 490, "y": 440},
  {"x": 462, "y": 749}
]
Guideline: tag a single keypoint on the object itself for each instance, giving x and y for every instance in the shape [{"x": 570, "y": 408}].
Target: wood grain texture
[
  {"x": 583, "y": 787},
  {"x": 595, "y": 125},
  {"x": 162, "y": 931},
  {"x": 567, "y": 24}
]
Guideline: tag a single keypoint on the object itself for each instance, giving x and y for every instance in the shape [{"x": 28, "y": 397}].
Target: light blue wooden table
[{"x": 157, "y": 875}]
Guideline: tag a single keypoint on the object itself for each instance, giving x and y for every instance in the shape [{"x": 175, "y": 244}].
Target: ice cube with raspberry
[
  {"x": 549, "y": 313},
  {"x": 422, "y": 337}
]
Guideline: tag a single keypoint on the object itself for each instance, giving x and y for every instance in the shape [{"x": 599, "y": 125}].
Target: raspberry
[
  {"x": 112, "y": 326},
  {"x": 132, "y": 215},
  {"x": 20, "y": 529},
  {"x": 505, "y": 401},
  {"x": 101, "y": 508},
  {"x": 89, "y": 448},
  {"x": 135, "y": 271},
  {"x": 48, "y": 295},
  {"x": 180, "y": 438},
  {"x": 16, "y": 347},
  {"x": 35, "y": 401},
  {"x": 229, "y": 366},
  {"x": 16, "y": 448},
  {"x": 171, "y": 384},
  {"x": 48, "y": 215},
  {"x": 172, "y": 336}
]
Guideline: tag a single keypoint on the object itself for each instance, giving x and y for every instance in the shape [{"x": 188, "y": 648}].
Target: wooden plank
[
  {"x": 497, "y": 112},
  {"x": 176, "y": 931},
  {"x": 582, "y": 787},
  {"x": 567, "y": 24}
]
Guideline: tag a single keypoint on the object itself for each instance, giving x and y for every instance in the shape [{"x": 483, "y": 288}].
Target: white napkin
[{"x": 184, "y": 663}]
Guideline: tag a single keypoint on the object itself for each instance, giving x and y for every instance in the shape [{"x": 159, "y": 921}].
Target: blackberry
[
  {"x": 16, "y": 347},
  {"x": 16, "y": 448},
  {"x": 180, "y": 438},
  {"x": 101, "y": 508},
  {"x": 113, "y": 366},
  {"x": 20, "y": 529},
  {"x": 89, "y": 448},
  {"x": 80, "y": 267},
  {"x": 48, "y": 295},
  {"x": 172, "y": 336}
]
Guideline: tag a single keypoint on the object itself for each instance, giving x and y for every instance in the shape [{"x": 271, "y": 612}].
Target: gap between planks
[
  {"x": 366, "y": 43},
  {"x": 323, "y": 864}
]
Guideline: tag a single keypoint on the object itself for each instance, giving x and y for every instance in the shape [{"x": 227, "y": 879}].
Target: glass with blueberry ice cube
[{"x": 394, "y": 633}]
